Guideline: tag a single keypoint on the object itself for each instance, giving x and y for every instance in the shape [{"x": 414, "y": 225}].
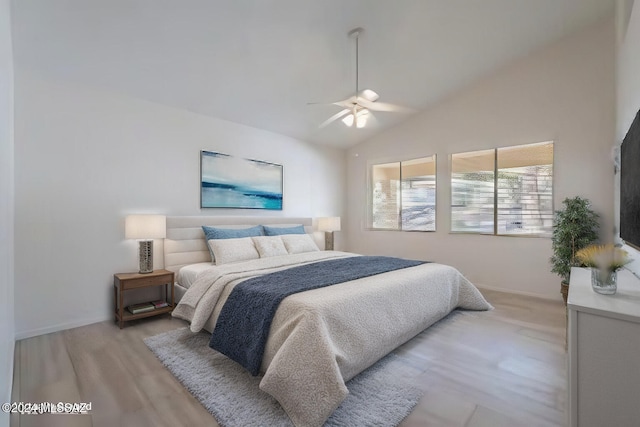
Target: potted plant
[{"x": 574, "y": 227}]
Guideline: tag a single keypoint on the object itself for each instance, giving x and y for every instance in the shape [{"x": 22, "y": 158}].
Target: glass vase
[{"x": 604, "y": 282}]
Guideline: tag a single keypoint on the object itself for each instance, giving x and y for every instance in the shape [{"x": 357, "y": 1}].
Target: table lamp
[
  {"x": 329, "y": 225},
  {"x": 145, "y": 228}
]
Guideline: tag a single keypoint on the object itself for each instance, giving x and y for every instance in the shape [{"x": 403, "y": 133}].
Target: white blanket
[{"x": 320, "y": 339}]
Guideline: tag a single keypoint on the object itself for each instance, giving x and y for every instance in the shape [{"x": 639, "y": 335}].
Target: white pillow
[
  {"x": 233, "y": 250},
  {"x": 299, "y": 243},
  {"x": 269, "y": 246}
]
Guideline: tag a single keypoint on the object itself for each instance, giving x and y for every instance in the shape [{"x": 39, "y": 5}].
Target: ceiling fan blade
[
  {"x": 383, "y": 106},
  {"x": 347, "y": 103},
  {"x": 322, "y": 103},
  {"x": 334, "y": 117}
]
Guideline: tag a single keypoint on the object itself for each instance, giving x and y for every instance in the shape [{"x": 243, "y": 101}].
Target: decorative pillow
[
  {"x": 299, "y": 243},
  {"x": 233, "y": 250},
  {"x": 279, "y": 231},
  {"x": 269, "y": 246},
  {"x": 231, "y": 233},
  {"x": 214, "y": 233}
]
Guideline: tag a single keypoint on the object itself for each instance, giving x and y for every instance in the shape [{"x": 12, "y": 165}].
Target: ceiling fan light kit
[
  {"x": 356, "y": 109},
  {"x": 360, "y": 116}
]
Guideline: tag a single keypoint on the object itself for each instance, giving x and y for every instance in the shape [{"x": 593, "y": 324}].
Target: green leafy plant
[{"x": 574, "y": 227}]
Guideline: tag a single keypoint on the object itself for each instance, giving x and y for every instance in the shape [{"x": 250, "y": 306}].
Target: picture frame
[{"x": 236, "y": 183}]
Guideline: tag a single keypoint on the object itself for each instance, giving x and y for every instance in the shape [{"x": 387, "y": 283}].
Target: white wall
[
  {"x": 86, "y": 158},
  {"x": 628, "y": 90},
  {"x": 7, "y": 330},
  {"x": 563, "y": 93}
]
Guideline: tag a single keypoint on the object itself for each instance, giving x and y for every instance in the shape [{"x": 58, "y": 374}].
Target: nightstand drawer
[{"x": 144, "y": 282}]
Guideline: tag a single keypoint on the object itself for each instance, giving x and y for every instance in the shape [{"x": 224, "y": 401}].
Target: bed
[{"x": 318, "y": 339}]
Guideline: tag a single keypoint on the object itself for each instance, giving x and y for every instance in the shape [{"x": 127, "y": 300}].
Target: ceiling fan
[{"x": 357, "y": 107}]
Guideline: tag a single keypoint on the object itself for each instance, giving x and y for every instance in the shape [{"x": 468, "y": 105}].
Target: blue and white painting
[{"x": 233, "y": 182}]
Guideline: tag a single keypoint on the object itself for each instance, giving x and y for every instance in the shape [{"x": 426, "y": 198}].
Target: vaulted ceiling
[{"x": 259, "y": 62}]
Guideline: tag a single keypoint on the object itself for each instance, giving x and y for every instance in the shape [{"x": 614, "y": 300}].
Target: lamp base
[
  {"x": 146, "y": 256},
  {"x": 328, "y": 240}
]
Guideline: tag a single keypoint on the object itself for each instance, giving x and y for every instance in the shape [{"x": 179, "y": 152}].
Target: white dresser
[{"x": 604, "y": 352}]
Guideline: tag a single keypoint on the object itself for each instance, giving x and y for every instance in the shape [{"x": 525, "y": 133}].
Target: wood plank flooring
[{"x": 506, "y": 367}]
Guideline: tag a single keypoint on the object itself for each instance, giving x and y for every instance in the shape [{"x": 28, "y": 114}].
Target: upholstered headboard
[{"x": 185, "y": 242}]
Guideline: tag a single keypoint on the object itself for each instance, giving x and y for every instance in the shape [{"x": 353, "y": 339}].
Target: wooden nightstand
[{"x": 126, "y": 281}]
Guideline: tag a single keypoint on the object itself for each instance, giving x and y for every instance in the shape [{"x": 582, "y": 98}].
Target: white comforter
[{"x": 320, "y": 339}]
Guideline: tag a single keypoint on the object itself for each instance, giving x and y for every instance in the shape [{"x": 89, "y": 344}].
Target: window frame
[
  {"x": 496, "y": 189},
  {"x": 369, "y": 206}
]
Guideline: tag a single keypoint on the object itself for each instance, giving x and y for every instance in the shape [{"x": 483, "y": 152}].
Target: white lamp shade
[
  {"x": 360, "y": 119},
  {"x": 145, "y": 227},
  {"x": 329, "y": 224},
  {"x": 348, "y": 120}
]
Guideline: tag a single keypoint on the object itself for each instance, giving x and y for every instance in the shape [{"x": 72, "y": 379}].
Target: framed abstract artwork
[{"x": 233, "y": 182}]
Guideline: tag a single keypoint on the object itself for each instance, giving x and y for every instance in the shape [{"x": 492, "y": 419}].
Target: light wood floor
[{"x": 506, "y": 367}]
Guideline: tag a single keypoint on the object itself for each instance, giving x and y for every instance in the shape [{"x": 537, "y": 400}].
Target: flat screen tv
[{"x": 630, "y": 186}]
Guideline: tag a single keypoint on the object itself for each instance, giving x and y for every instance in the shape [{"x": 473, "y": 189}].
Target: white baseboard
[
  {"x": 523, "y": 293},
  {"x": 60, "y": 327},
  {"x": 70, "y": 325}
]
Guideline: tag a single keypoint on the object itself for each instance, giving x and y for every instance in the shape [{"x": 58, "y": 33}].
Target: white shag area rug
[{"x": 377, "y": 397}]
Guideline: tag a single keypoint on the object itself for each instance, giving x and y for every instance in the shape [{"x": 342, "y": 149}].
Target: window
[
  {"x": 506, "y": 191},
  {"x": 403, "y": 195}
]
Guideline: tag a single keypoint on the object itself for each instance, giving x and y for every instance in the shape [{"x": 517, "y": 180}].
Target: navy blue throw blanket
[{"x": 245, "y": 319}]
